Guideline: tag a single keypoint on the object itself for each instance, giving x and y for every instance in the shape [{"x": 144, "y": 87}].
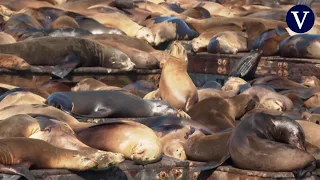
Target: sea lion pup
[
  {"x": 200, "y": 44},
  {"x": 39, "y": 109},
  {"x": 233, "y": 84},
  {"x": 112, "y": 103},
  {"x": 136, "y": 141},
  {"x": 61, "y": 135},
  {"x": 175, "y": 86},
  {"x": 20, "y": 97},
  {"x": 310, "y": 81},
  {"x": 308, "y": 49},
  {"x": 64, "y": 22},
  {"x": 219, "y": 114},
  {"x": 276, "y": 82},
  {"x": 263, "y": 142},
  {"x": 126, "y": 24},
  {"x": 270, "y": 99},
  {"x": 173, "y": 133},
  {"x": 6, "y": 38},
  {"x": 66, "y": 59},
  {"x": 228, "y": 42}
]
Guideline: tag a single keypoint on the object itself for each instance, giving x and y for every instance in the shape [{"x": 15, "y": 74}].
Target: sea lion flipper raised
[
  {"x": 17, "y": 170},
  {"x": 246, "y": 63},
  {"x": 304, "y": 2},
  {"x": 70, "y": 63}
]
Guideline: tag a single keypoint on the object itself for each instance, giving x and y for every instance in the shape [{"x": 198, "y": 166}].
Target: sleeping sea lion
[
  {"x": 233, "y": 84},
  {"x": 310, "y": 81},
  {"x": 6, "y": 38},
  {"x": 64, "y": 22},
  {"x": 20, "y": 97},
  {"x": 90, "y": 84},
  {"x": 276, "y": 82},
  {"x": 228, "y": 42},
  {"x": 205, "y": 93},
  {"x": 175, "y": 86},
  {"x": 84, "y": 54},
  {"x": 311, "y": 131},
  {"x": 13, "y": 62},
  {"x": 263, "y": 142},
  {"x": 112, "y": 103},
  {"x": 197, "y": 13},
  {"x": 136, "y": 141}
]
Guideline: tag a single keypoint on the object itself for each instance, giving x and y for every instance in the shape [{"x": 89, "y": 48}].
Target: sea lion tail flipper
[
  {"x": 70, "y": 63},
  {"x": 211, "y": 165},
  {"x": 16, "y": 170},
  {"x": 246, "y": 63},
  {"x": 304, "y": 2}
]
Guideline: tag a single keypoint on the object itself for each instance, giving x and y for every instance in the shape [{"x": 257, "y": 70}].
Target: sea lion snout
[
  {"x": 146, "y": 34},
  {"x": 146, "y": 152}
]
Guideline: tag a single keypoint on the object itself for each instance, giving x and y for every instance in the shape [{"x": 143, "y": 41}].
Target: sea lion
[
  {"x": 276, "y": 82},
  {"x": 61, "y": 135},
  {"x": 313, "y": 101},
  {"x": 84, "y": 54},
  {"x": 41, "y": 109},
  {"x": 228, "y": 42},
  {"x": 212, "y": 85},
  {"x": 17, "y": 5},
  {"x": 269, "y": 98},
  {"x": 173, "y": 133},
  {"x": 308, "y": 45},
  {"x": 141, "y": 85},
  {"x": 111, "y": 103},
  {"x": 175, "y": 86},
  {"x": 21, "y": 21},
  {"x": 52, "y": 86},
  {"x": 172, "y": 6},
  {"x": 205, "y": 93},
  {"x": 200, "y": 43},
  {"x": 197, "y": 13},
  {"x": 64, "y": 22},
  {"x": 206, "y": 148},
  {"x": 263, "y": 142},
  {"x": 22, "y": 97},
  {"x": 13, "y": 62},
  {"x": 163, "y": 32},
  {"x": 219, "y": 114},
  {"x": 90, "y": 84},
  {"x": 310, "y": 81},
  {"x": 125, "y": 24},
  {"x": 233, "y": 84},
  {"x": 141, "y": 59},
  {"x": 136, "y": 141},
  {"x": 311, "y": 131},
  {"x": 156, "y": 9}
]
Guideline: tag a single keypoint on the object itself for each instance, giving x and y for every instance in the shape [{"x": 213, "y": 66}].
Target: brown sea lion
[
  {"x": 52, "y": 86},
  {"x": 270, "y": 99},
  {"x": 200, "y": 43},
  {"x": 64, "y": 22},
  {"x": 164, "y": 31},
  {"x": 141, "y": 85},
  {"x": 17, "y": 5},
  {"x": 215, "y": 9},
  {"x": 155, "y": 8},
  {"x": 311, "y": 131},
  {"x": 61, "y": 135},
  {"x": 21, "y": 21},
  {"x": 233, "y": 84},
  {"x": 276, "y": 82},
  {"x": 308, "y": 46},
  {"x": 200, "y": 147},
  {"x": 205, "y": 93},
  {"x": 13, "y": 62},
  {"x": 20, "y": 125},
  {"x": 219, "y": 114},
  {"x": 228, "y": 42},
  {"x": 264, "y": 142},
  {"x": 19, "y": 98},
  {"x": 313, "y": 101},
  {"x": 90, "y": 84},
  {"x": 6, "y": 38},
  {"x": 67, "y": 57},
  {"x": 125, "y": 24},
  {"x": 175, "y": 86},
  {"x": 197, "y": 13},
  {"x": 136, "y": 141},
  {"x": 310, "y": 81}
]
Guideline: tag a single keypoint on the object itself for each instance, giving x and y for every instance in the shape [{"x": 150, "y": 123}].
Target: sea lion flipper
[
  {"x": 304, "y": 2},
  {"x": 245, "y": 64},
  {"x": 10, "y": 177},
  {"x": 70, "y": 63},
  {"x": 102, "y": 112},
  {"x": 212, "y": 165},
  {"x": 17, "y": 170}
]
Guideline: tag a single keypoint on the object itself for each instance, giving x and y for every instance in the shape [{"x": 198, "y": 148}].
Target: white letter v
[{"x": 299, "y": 23}]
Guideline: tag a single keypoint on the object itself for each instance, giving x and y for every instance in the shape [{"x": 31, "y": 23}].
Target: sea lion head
[
  {"x": 273, "y": 104},
  {"x": 310, "y": 81},
  {"x": 289, "y": 131},
  {"x": 145, "y": 34},
  {"x": 177, "y": 50},
  {"x": 313, "y": 101},
  {"x": 164, "y": 31},
  {"x": 60, "y": 101},
  {"x": 161, "y": 108},
  {"x": 198, "y": 44},
  {"x": 233, "y": 84},
  {"x": 175, "y": 149},
  {"x": 146, "y": 152}
]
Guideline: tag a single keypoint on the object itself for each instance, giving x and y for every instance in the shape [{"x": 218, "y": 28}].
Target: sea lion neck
[{"x": 175, "y": 63}]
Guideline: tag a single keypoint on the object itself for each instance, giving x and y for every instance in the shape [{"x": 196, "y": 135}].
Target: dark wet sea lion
[
  {"x": 276, "y": 82},
  {"x": 21, "y": 21},
  {"x": 218, "y": 113},
  {"x": 200, "y": 147},
  {"x": 228, "y": 42},
  {"x": 64, "y": 22},
  {"x": 84, "y": 54},
  {"x": 175, "y": 86},
  {"x": 136, "y": 141},
  {"x": 304, "y": 93},
  {"x": 108, "y": 104},
  {"x": 300, "y": 46},
  {"x": 200, "y": 43},
  {"x": 18, "y": 5},
  {"x": 264, "y": 142}
]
